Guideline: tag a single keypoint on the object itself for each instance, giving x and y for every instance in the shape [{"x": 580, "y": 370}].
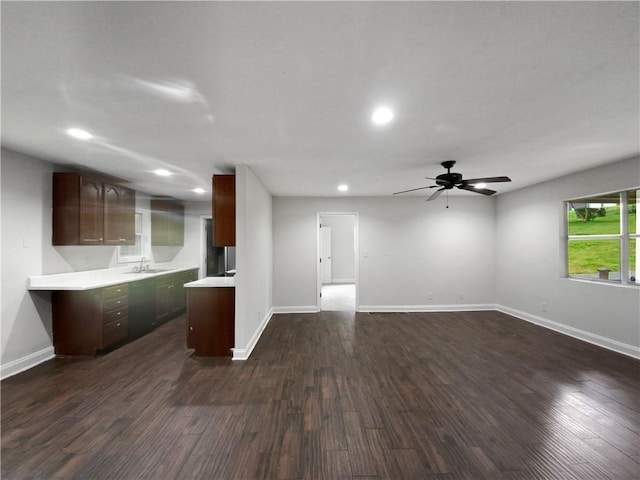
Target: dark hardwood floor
[{"x": 334, "y": 395}]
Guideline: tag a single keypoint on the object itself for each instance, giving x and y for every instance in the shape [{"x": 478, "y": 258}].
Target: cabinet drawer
[
  {"x": 114, "y": 303},
  {"x": 115, "y": 315},
  {"x": 114, "y": 332},
  {"x": 116, "y": 291}
]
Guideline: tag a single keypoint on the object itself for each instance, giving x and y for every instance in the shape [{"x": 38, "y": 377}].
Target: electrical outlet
[
  {"x": 430, "y": 295},
  {"x": 461, "y": 295},
  {"x": 543, "y": 307}
]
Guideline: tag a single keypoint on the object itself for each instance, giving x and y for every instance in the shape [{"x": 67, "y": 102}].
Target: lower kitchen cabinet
[
  {"x": 86, "y": 322},
  {"x": 170, "y": 294},
  {"x": 211, "y": 321},
  {"x": 142, "y": 308}
]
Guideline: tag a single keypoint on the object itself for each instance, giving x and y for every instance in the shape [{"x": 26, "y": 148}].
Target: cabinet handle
[
  {"x": 118, "y": 302},
  {"x": 118, "y": 314},
  {"x": 191, "y": 328},
  {"x": 118, "y": 324}
]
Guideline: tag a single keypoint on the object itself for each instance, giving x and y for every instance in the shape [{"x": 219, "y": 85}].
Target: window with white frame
[
  {"x": 602, "y": 237},
  {"x": 135, "y": 252}
]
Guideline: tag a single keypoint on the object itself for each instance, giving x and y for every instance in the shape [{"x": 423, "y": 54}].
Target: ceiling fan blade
[
  {"x": 435, "y": 194},
  {"x": 471, "y": 188},
  {"x": 412, "y": 190},
  {"x": 472, "y": 181}
]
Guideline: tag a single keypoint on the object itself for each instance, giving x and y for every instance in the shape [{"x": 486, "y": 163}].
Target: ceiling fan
[{"x": 448, "y": 180}]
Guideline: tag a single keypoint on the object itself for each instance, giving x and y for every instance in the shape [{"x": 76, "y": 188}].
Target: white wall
[
  {"x": 192, "y": 252},
  {"x": 253, "y": 260},
  {"x": 342, "y": 246},
  {"x": 26, "y": 191},
  {"x": 408, "y": 250},
  {"x": 530, "y": 263}
]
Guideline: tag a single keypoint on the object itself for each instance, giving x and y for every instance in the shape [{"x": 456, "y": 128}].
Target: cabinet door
[
  {"x": 142, "y": 308},
  {"x": 128, "y": 222},
  {"x": 91, "y": 211},
  {"x": 163, "y": 302},
  {"x": 119, "y": 215},
  {"x": 211, "y": 318},
  {"x": 167, "y": 222},
  {"x": 112, "y": 215},
  {"x": 159, "y": 222},
  {"x": 175, "y": 224},
  {"x": 224, "y": 210}
]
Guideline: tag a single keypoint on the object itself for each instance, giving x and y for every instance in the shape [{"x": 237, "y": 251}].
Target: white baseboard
[
  {"x": 301, "y": 309},
  {"x": 244, "y": 353},
  {"x": 426, "y": 308},
  {"x": 604, "y": 342},
  {"x": 25, "y": 363},
  {"x": 343, "y": 280}
]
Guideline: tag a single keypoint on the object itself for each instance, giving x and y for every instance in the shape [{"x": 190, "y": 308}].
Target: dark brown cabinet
[
  {"x": 170, "y": 294},
  {"x": 224, "y": 210},
  {"x": 119, "y": 215},
  {"x": 90, "y": 211},
  {"x": 87, "y": 321},
  {"x": 142, "y": 308},
  {"x": 211, "y": 320},
  {"x": 167, "y": 222}
]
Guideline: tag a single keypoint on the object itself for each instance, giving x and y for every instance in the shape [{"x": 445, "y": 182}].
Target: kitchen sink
[{"x": 151, "y": 270}]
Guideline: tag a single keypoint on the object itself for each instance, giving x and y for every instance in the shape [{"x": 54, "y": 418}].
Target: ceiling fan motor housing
[{"x": 448, "y": 180}]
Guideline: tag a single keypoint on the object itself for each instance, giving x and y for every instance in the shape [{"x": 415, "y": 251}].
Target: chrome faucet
[{"x": 141, "y": 267}]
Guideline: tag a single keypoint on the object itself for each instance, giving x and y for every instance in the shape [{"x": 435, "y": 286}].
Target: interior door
[{"x": 325, "y": 255}]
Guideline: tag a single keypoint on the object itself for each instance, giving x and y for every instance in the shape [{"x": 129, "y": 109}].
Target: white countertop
[
  {"x": 90, "y": 279},
  {"x": 213, "y": 282}
]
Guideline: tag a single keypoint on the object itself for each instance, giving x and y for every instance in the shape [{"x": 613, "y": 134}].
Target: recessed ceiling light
[
  {"x": 78, "y": 133},
  {"x": 162, "y": 172},
  {"x": 198, "y": 190},
  {"x": 343, "y": 188},
  {"x": 480, "y": 185},
  {"x": 382, "y": 115}
]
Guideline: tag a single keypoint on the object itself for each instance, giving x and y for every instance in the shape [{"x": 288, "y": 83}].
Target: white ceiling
[{"x": 530, "y": 90}]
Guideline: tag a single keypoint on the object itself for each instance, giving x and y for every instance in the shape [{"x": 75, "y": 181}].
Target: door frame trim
[
  {"x": 203, "y": 244},
  {"x": 356, "y": 266}
]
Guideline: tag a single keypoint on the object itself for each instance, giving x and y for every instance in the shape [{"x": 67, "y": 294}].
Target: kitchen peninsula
[
  {"x": 211, "y": 316},
  {"x": 100, "y": 309}
]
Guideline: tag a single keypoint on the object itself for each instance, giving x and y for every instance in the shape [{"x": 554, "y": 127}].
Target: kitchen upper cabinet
[
  {"x": 224, "y": 210},
  {"x": 119, "y": 215},
  {"x": 91, "y": 215},
  {"x": 167, "y": 222},
  {"x": 89, "y": 211}
]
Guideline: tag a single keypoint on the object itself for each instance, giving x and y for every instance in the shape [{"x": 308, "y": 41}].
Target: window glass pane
[
  {"x": 132, "y": 250},
  {"x": 599, "y": 259},
  {"x": 634, "y": 257},
  {"x": 634, "y": 220},
  {"x": 599, "y": 215}
]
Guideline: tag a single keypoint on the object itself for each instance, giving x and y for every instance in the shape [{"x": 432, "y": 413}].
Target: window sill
[{"x": 597, "y": 281}]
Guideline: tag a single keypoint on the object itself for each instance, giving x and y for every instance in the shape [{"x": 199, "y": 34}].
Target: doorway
[{"x": 337, "y": 272}]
